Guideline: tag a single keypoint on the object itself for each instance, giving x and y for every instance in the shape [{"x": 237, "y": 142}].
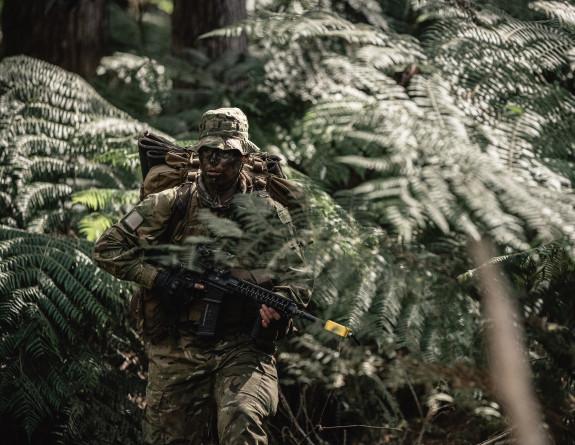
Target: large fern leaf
[
  {"x": 53, "y": 125},
  {"x": 56, "y": 307}
]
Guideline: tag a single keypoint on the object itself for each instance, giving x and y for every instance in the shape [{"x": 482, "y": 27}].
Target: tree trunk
[
  {"x": 191, "y": 19},
  {"x": 68, "y": 34}
]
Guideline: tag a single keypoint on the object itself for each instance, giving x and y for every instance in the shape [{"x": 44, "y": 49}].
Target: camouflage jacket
[{"x": 254, "y": 236}]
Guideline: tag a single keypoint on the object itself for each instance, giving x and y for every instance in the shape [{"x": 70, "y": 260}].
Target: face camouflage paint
[{"x": 214, "y": 154}]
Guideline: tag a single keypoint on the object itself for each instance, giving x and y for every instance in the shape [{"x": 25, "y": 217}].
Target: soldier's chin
[{"x": 220, "y": 183}]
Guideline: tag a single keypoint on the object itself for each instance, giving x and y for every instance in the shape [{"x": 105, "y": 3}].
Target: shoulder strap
[
  {"x": 183, "y": 198},
  {"x": 180, "y": 207}
]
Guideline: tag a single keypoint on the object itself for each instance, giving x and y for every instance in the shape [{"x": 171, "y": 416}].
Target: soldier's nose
[{"x": 214, "y": 158}]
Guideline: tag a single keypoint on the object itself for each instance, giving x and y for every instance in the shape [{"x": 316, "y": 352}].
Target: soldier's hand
[
  {"x": 268, "y": 314},
  {"x": 176, "y": 292}
]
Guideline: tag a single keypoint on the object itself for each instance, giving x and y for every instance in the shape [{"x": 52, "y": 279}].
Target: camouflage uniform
[{"x": 214, "y": 390}]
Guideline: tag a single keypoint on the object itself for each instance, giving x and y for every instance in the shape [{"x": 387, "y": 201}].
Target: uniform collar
[{"x": 244, "y": 185}]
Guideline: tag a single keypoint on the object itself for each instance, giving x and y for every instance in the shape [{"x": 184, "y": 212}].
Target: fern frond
[
  {"x": 104, "y": 199},
  {"x": 56, "y": 309},
  {"x": 321, "y": 47},
  {"x": 562, "y": 11},
  {"x": 120, "y": 157},
  {"x": 46, "y": 221},
  {"x": 389, "y": 304},
  {"x": 31, "y": 145},
  {"x": 40, "y": 195},
  {"x": 22, "y": 74},
  {"x": 550, "y": 260},
  {"x": 47, "y": 169},
  {"x": 432, "y": 184},
  {"x": 93, "y": 225},
  {"x": 371, "y": 11},
  {"x": 96, "y": 137},
  {"x": 287, "y": 28},
  {"x": 51, "y": 122},
  {"x": 139, "y": 84},
  {"x": 432, "y": 96},
  {"x": 36, "y": 126},
  {"x": 389, "y": 58},
  {"x": 47, "y": 112}
]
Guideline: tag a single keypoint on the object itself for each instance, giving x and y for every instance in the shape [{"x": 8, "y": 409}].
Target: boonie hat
[{"x": 226, "y": 129}]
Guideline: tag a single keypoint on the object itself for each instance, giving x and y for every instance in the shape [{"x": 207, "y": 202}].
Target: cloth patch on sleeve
[{"x": 133, "y": 220}]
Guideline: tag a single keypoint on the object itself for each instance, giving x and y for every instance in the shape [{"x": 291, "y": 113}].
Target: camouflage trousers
[{"x": 209, "y": 392}]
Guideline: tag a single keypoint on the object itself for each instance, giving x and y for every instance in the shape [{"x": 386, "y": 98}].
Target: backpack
[{"x": 165, "y": 165}]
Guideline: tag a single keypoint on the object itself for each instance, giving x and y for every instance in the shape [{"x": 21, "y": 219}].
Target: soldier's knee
[{"x": 241, "y": 423}]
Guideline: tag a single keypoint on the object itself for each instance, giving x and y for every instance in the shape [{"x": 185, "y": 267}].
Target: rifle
[{"x": 218, "y": 282}]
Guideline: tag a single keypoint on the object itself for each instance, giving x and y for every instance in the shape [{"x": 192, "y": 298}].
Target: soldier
[{"x": 209, "y": 390}]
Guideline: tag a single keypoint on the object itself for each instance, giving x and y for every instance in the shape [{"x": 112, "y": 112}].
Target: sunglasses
[{"x": 226, "y": 156}]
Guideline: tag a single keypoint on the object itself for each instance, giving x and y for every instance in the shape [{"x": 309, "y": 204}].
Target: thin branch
[
  {"x": 321, "y": 428},
  {"x": 496, "y": 438}
]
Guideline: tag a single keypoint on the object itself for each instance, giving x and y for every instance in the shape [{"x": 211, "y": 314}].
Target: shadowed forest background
[{"x": 436, "y": 140}]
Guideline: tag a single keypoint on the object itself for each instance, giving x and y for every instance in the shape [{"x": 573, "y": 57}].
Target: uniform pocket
[
  {"x": 268, "y": 383},
  {"x": 136, "y": 308},
  {"x": 268, "y": 365}
]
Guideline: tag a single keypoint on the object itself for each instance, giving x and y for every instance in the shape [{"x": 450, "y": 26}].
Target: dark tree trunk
[
  {"x": 69, "y": 34},
  {"x": 191, "y": 19}
]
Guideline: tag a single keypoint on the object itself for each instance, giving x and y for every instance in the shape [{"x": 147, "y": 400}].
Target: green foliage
[
  {"x": 65, "y": 348},
  {"x": 68, "y": 353},
  {"x": 417, "y": 126},
  {"x": 142, "y": 29},
  {"x": 450, "y": 151},
  {"x": 462, "y": 133},
  {"x": 327, "y": 390},
  {"x": 139, "y": 84},
  {"x": 104, "y": 207},
  {"x": 60, "y": 137},
  {"x": 543, "y": 279}
]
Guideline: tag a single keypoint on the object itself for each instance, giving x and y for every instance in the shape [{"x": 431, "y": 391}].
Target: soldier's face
[{"x": 220, "y": 167}]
